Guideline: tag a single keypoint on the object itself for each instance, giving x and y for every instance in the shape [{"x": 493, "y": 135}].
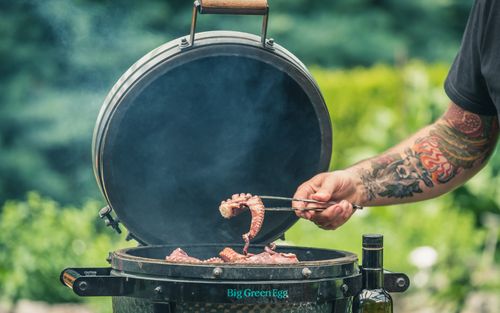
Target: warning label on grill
[{"x": 253, "y": 293}]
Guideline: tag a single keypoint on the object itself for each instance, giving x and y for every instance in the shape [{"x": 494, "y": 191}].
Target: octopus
[
  {"x": 269, "y": 256},
  {"x": 228, "y": 255},
  {"x": 229, "y": 208},
  {"x": 242, "y": 202},
  {"x": 180, "y": 256}
]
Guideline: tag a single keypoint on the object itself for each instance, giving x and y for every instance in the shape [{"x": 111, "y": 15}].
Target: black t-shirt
[{"x": 473, "y": 82}]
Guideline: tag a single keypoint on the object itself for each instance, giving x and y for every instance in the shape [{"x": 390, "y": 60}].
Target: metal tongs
[{"x": 291, "y": 209}]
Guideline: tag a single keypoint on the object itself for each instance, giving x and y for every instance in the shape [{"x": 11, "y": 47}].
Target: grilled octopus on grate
[
  {"x": 239, "y": 203},
  {"x": 180, "y": 256},
  {"x": 228, "y": 255},
  {"x": 269, "y": 256},
  {"x": 230, "y": 208}
]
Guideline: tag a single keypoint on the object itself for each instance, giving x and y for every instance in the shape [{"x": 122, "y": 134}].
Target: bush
[
  {"x": 39, "y": 239},
  {"x": 374, "y": 108}
]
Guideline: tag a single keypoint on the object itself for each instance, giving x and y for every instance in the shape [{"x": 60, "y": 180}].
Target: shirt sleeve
[{"x": 465, "y": 84}]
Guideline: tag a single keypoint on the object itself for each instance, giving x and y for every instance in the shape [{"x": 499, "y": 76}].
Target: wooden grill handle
[
  {"x": 244, "y": 7},
  {"x": 251, "y": 7}
]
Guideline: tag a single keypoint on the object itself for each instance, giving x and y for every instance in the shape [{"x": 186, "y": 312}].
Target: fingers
[
  {"x": 334, "y": 216},
  {"x": 303, "y": 192},
  {"x": 327, "y": 189},
  {"x": 321, "y": 187}
]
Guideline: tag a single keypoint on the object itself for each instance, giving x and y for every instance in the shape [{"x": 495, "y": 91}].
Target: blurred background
[{"x": 380, "y": 65}]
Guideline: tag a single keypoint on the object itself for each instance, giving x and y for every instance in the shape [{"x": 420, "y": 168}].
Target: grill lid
[{"x": 184, "y": 129}]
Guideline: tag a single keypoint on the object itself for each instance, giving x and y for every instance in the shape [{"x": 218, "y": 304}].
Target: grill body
[{"x": 140, "y": 280}]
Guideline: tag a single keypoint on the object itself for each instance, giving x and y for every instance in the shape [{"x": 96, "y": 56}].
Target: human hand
[{"x": 342, "y": 186}]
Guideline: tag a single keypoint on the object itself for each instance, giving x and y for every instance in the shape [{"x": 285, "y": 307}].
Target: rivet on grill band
[
  {"x": 306, "y": 272},
  {"x": 217, "y": 271},
  {"x": 344, "y": 288},
  {"x": 158, "y": 290}
]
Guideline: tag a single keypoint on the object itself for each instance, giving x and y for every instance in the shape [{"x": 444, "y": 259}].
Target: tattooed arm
[
  {"x": 432, "y": 162},
  {"x": 435, "y": 160}
]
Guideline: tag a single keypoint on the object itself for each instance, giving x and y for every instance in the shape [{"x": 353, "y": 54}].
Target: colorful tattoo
[{"x": 459, "y": 141}]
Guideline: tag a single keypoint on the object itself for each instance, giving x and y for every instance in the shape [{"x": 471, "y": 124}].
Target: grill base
[{"x": 137, "y": 305}]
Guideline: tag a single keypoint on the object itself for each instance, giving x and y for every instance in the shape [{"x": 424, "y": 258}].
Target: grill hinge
[{"x": 105, "y": 214}]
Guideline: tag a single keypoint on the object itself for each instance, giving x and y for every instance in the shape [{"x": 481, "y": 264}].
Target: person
[{"x": 439, "y": 157}]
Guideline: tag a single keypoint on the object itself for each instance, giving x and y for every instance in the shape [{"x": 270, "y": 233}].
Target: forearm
[{"x": 435, "y": 160}]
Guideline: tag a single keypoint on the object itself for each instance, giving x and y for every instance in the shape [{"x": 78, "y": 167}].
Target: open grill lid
[{"x": 184, "y": 128}]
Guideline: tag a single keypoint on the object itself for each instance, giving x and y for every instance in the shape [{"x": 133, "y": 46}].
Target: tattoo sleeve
[{"x": 459, "y": 141}]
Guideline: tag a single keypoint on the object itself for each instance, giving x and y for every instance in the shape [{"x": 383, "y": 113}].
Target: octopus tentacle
[
  {"x": 284, "y": 258},
  {"x": 213, "y": 260},
  {"x": 229, "y": 255},
  {"x": 257, "y": 210},
  {"x": 270, "y": 248},
  {"x": 234, "y": 205},
  {"x": 237, "y": 204},
  {"x": 180, "y": 256}
]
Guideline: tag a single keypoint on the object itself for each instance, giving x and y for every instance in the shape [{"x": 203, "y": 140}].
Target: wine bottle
[{"x": 373, "y": 298}]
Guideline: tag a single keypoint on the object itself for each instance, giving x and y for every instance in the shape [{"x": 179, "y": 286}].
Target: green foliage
[
  {"x": 39, "y": 238},
  {"x": 374, "y": 108}
]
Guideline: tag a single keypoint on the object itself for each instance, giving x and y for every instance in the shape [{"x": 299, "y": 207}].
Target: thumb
[{"x": 326, "y": 190}]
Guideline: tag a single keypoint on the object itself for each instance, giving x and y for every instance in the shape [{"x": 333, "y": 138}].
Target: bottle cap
[{"x": 373, "y": 241}]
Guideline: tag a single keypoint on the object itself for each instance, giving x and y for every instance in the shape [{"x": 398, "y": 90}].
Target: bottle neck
[
  {"x": 373, "y": 268},
  {"x": 373, "y": 279}
]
